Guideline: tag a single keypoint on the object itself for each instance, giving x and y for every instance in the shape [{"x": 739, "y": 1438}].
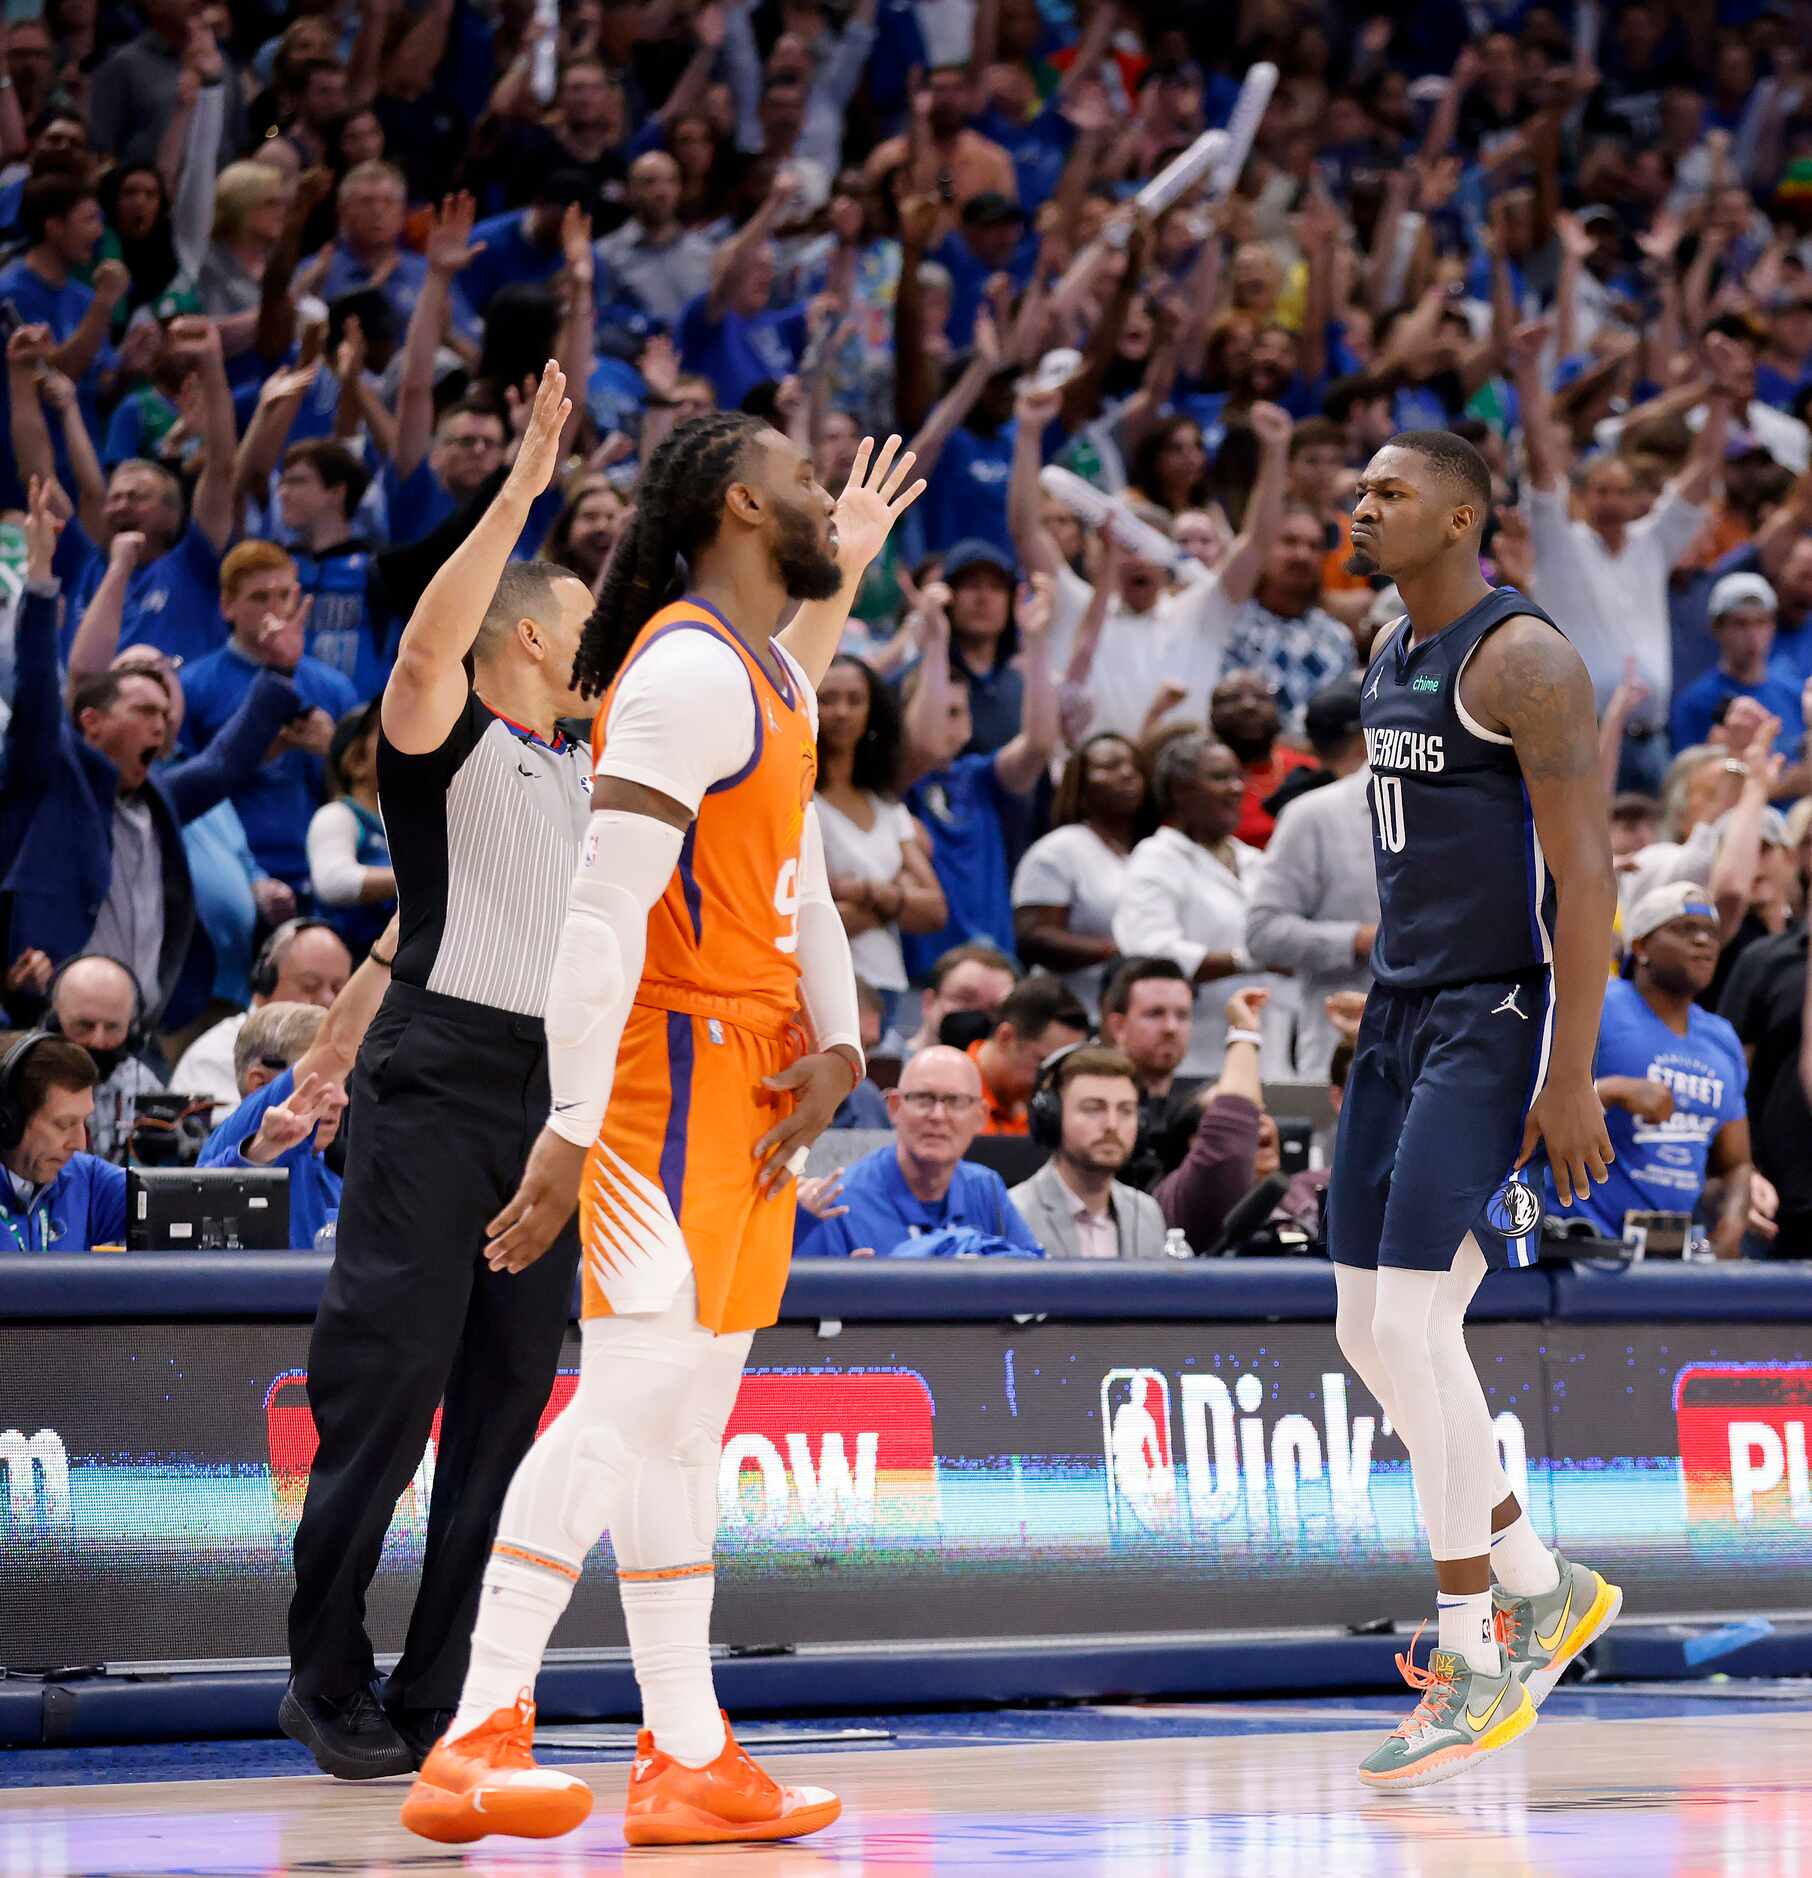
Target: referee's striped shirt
[{"x": 484, "y": 835}]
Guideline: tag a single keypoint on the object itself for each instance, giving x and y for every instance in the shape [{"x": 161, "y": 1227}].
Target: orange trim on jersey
[
  {"x": 666, "y": 1571},
  {"x": 523, "y": 1556}
]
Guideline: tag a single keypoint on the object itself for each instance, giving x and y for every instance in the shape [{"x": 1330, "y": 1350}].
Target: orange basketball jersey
[
  {"x": 670, "y": 1183},
  {"x": 723, "y": 941}
]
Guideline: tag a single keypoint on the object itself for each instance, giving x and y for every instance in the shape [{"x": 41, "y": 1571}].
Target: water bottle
[{"x": 1176, "y": 1244}]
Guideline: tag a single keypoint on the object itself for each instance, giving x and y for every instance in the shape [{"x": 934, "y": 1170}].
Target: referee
[{"x": 485, "y": 804}]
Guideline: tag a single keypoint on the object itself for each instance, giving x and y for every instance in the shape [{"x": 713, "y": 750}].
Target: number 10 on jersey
[{"x": 1387, "y": 810}]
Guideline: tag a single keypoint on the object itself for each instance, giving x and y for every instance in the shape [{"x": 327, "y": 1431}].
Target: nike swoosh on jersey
[
  {"x": 1479, "y": 1723},
  {"x": 1560, "y": 1629}
]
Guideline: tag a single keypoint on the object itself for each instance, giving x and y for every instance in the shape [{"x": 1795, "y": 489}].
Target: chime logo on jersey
[
  {"x": 1745, "y": 1432},
  {"x": 1514, "y": 1210}
]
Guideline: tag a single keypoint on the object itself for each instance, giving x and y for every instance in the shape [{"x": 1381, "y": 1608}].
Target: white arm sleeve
[
  {"x": 334, "y": 869},
  {"x": 624, "y": 868},
  {"x": 827, "y": 979}
]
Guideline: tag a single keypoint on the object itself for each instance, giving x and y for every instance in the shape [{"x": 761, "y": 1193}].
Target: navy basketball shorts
[{"x": 1432, "y": 1122}]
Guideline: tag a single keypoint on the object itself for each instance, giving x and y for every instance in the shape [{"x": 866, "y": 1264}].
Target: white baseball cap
[
  {"x": 1661, "y": 906},
  {"x": 1741, "y": 590}
]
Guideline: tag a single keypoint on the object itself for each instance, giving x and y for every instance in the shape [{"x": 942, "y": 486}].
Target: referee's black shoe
[
  {"x": 419, "y": 1729},
  {"x": 350, "y": 1736}
]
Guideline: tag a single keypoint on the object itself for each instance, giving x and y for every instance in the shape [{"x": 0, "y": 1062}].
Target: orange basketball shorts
[{"x": 669, "y": 1185}]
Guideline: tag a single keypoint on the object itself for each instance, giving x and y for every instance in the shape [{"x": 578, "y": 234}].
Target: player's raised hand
[
  {"x": 539, "y": 453},
  {"x": 1568, "y": 1119},
  {"x": 818, "y": 1084},
  {"x": 540, "y": 1207},
  {"x": 874, "y": 498}
]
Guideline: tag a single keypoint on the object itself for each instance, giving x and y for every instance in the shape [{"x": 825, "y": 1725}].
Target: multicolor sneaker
[
  {"x": 1463, "y": 1715},
  {"x": 1542, "y": 1635}
]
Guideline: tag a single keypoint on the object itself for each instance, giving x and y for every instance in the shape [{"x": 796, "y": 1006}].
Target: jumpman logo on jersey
[
  {"x": 1377, "y": 680},
  {"x": 1509, "y": 1004}
]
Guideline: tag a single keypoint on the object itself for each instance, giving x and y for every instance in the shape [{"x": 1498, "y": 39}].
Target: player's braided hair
[{"x": 679, "y": 506}]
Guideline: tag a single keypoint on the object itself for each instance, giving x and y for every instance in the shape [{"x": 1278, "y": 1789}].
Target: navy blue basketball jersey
[
  {"x": 1463, "y": 891},
  {"x": 344, "y": 630}
]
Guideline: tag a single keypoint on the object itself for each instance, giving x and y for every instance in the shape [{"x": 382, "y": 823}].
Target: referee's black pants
[{"x": 446, "y": 1100}]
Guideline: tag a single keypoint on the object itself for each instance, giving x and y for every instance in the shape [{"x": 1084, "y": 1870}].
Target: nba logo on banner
[{"x": 1141, "y": 1468}]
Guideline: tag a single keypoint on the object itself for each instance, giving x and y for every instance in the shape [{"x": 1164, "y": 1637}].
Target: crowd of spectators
[{"x": 273, "y": 283}]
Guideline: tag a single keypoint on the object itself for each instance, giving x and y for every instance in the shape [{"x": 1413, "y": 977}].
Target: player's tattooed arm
[{"x": 1536, "y": 687}]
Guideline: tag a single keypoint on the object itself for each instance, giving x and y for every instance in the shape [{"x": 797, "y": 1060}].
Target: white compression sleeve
[
  {"x": 624, "y": 869},
  {"x": 827, "y": 979}
]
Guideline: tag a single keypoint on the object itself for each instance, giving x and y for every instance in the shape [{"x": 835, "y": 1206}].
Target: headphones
[
  {"x": 12, "y": 1110},
  {"x": 52, "y": 1026},
  {"x": 1044, "y": 1112},
  {"x": 270, "y": 955}
]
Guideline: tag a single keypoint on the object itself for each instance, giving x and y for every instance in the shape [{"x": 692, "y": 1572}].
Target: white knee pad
[{"x": 1439, "y": 1407}]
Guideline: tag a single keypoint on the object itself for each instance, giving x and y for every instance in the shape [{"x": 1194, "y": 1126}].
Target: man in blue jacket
[
  {"x": 54, "y": 1197},
  {"x": 90, "y": 839},
  {"x": 920, "y": 1184},
  {"x": 291, "y": 1062}
]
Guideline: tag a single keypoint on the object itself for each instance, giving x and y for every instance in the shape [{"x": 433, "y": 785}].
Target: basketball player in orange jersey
[{"x": 684, "y": 1097}]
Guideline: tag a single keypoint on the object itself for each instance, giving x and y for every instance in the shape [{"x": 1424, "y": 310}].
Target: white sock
[
  {"x": 517, "y": 1613},
  {"x": 669, "y": 1622},
  {"x": 1520, "y": 1562},
  {"x": 1468, "y": 1631}
]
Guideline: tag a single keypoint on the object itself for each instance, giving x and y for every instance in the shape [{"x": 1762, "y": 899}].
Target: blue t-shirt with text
[{"x": 1660, "y": 1166}]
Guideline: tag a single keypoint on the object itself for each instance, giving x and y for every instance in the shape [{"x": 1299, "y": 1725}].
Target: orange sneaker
[
  {"x": 730, "y": 1800},
  {"x": 488, "y": 1781}
]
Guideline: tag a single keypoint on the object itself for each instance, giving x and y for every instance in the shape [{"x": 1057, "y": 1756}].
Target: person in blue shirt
[
  {"x": 523, "y": 247},
  {"x": 992, "y": 238},
  {"x": 172, "y": 595},
  {"x": 54, "y": 1196},
  {"x": 965, "y": 449},
  {"x": 291, "y": 1062},
  {"x": 967, "y": 803},
  {"x": 729, "y": 334},
  {"x": 368, "y": 251},
  {"x": 1672, "y": 1078},
  {"x": 919, "y": 1183},
  {"x": 349, "y": 627},
  {"x": 61, "y": 217},
  {"x": 1742, "y": 613},
  {"x": 264, "y": 607}
]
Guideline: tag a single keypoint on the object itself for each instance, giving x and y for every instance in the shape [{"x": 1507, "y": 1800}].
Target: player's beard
[
  {"x": 805, "y": 570},
  {"x": 1360, "y": 562}
]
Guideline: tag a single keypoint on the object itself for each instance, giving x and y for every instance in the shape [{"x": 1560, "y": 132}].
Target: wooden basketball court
[{"x": 1596, "y": 1790}]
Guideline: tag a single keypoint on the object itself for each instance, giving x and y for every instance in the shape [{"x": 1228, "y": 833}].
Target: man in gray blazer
[
  {"x": 1314, "y": 911},
  {"x": 1073, "y": 1204}
]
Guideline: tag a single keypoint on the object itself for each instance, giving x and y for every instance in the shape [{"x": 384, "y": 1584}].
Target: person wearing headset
[
  {"x": 304, "y": 961},
  {"x": 1086, "y": 1111},
  {"x": 95, "y": 1001},
  {"x": 54, "y": 1196}
]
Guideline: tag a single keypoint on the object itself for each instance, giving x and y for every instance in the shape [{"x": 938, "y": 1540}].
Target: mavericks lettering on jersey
[{"x": 1417, "y": 750}]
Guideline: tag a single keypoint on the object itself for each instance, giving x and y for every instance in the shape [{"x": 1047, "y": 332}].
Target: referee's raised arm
[
  {"x": 485, "y": 802},
  {"x": 428, "y": 686}
]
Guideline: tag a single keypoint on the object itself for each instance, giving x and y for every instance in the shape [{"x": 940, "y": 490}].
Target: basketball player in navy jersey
[{"x": 1496, "y": 897}]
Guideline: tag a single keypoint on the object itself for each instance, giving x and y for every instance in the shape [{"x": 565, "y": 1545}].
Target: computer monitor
[{"x": 207, "y": 1209}]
